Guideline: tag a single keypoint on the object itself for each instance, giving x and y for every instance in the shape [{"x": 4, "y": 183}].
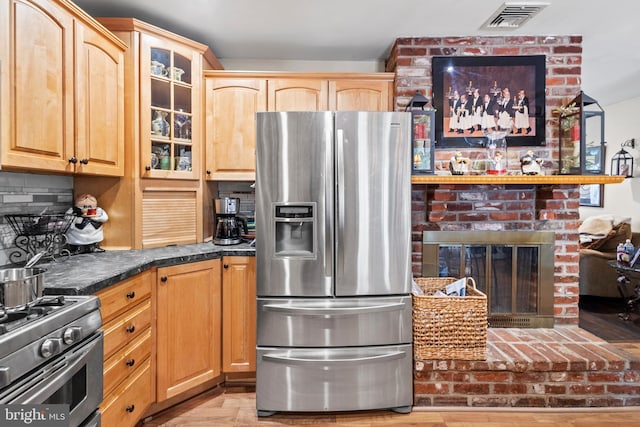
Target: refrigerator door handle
[
  {"x": 335, "y": 311},
  {"x": 328, "y": 212},
  {"x": 340, "y": 202},
  {"x": 334, "y": 362}
]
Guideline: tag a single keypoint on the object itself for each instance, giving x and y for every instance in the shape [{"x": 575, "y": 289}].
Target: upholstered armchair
[{"x": 597, "y": 277}]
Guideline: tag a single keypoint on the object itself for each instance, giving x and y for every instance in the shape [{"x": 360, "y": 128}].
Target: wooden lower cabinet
[
  {"x": 121, "y": 331},
  {"x": 188, "y": 326},
  {"x": 120, "y": 367},
  {"x": 171, "y": 332},
  {"x": 127, "y": 316},
  {"x": 126, "y": 405},
  {"x": 238, "y": 314}
]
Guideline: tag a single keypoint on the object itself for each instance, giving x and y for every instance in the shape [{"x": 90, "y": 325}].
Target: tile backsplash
[
  {"x": 24, "y": 193},
  {"x": 244, "y": 192}
]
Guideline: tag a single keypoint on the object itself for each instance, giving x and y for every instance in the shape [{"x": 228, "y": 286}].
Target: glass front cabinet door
[
  {"x": 170, "y": 141},
  {"x": 423, "y": 142}
]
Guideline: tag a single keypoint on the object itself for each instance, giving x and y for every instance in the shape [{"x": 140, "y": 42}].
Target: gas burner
[
  {"x": 14, "y": 320},
  {"x": 53, "y": 301},
  {"x": 10, "y": 321}
]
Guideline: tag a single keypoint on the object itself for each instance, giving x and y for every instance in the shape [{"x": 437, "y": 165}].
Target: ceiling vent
[{"x": 513, "y": 15}]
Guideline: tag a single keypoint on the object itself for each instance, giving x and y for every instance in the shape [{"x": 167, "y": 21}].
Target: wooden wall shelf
[{"x": 516, "y": 179}]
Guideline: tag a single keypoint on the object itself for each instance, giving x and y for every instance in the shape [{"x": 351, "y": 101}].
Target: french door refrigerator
[{"x": 333, "y": 248}]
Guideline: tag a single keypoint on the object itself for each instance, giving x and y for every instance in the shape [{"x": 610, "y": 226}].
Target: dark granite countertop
[{"x": 89, "y": 273}]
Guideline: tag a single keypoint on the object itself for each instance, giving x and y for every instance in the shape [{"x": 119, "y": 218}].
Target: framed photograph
[
  {"x": 592, "y": 195},
  {"x": 594, "y": 159},
  {"x": 474, "y": 94}
]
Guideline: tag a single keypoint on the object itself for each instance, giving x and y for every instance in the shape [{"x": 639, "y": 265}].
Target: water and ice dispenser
[{"x": 294, "y": 228}]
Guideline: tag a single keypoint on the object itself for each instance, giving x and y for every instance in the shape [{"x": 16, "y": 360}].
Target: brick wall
[
  {"x": 500, "y": 207},
  {"x": 410, "y": 59}
]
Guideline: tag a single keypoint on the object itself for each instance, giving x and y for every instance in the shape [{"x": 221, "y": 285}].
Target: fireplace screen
[{"x": 514, "y": 269}]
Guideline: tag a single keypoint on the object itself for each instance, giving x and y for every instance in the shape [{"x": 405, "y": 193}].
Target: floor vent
[
  {"x": 513, "y": 15},
  {"x": 520, "y": 321}
]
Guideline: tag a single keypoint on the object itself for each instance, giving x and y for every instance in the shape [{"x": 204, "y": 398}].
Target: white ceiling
[{"x": 364, "y": 30}]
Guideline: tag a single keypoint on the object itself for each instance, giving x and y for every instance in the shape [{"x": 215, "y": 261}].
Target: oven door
[{"x": 73, "y": 378}]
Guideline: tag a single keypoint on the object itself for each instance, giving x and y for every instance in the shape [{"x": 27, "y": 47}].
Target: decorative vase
[
  {"x": 496, "y": 146},
  {"x": 159, "y": 126}
]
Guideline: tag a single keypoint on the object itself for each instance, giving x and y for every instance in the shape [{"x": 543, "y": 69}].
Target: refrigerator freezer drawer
[
  {"x": 335, "y": 322},
  {"x": 334, "y": 379}
]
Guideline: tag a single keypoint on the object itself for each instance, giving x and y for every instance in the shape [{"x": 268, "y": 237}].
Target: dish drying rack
[{"x": 39, "y": 233}]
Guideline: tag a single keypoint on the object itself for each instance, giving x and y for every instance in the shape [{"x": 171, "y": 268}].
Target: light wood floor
[{"x": 239, "y": 409}]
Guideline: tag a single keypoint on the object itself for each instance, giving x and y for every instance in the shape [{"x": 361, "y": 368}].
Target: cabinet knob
[
  {"x": 225, "y": 265},
  {"x": 73, "y": 160},
  {"x": 130, "y": 362},
  {"x": 147, "y": 168},
  {"x": 131, "y": 328},
  {"x": 164, "y": 279},
  {"x": 131, "y": 295},
  {"x": 208, "y": 172},
  {"x": 130, "y": 408},
  {"x": 84, "y": 161}
]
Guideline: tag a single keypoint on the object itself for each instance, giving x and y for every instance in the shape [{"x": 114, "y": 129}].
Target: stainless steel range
[{"x": 52, "y": 353}]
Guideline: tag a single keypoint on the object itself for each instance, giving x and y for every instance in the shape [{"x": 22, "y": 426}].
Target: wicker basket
[{"x": 449, "y": 327}]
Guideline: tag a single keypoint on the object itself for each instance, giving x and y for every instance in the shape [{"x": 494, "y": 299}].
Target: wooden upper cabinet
[
  {"x": 38, "y": 116},
  {"x": 164, "y": 118},
  {"x": 161, "y": 200},
  {"x": 48, "y": 106},
  {"x": 100, "y": 102},
  {"x": 360, "y": 95},
  {"x": 171, "y": 108},
  {"x": 297, "y": 95},
  {"x": 234, "y": 97},
  {"x": 231, "y": 107}
]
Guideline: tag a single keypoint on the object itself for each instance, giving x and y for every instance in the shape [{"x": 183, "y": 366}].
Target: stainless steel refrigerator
[{"x": 333, "y": 248}]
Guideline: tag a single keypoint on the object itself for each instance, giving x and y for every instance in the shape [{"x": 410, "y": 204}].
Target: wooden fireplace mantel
[{"x": 516, "y": 179}]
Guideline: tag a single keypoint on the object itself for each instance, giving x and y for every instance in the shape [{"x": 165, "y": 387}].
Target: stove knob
[
  {"x": 72, "y": 335},
  {"x": 50, "y": 347},
  {"x": 5, "y": 376}
]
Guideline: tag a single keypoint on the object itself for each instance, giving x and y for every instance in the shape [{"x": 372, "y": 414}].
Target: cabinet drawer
[
  {"x": 340, "y": 322},
  {"x": 334, "y": 379},
  {"x": 123, "y": 363},
  {"x": 125, "y": 295},
  {"x": 121, "y": 331},
  {"x": 128, "y": 402}
]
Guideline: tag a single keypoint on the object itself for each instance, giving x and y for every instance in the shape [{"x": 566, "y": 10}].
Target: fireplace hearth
[{"x": 515, "y": 269}]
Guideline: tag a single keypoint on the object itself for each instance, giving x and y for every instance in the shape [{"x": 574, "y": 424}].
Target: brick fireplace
[
  {"x": 506, "y": 207},
  {"x": 563, "y": 366},
  {"x": 500, "y": 207}
]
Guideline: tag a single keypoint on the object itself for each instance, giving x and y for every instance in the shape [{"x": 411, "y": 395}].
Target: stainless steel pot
[{"x": 20, "y": 287}]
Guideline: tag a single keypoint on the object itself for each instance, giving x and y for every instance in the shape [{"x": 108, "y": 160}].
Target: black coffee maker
[{"x": 229, "y": 225}]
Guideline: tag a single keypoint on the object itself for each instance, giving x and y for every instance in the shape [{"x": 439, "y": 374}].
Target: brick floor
[{"x": 561, "y": 367}]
